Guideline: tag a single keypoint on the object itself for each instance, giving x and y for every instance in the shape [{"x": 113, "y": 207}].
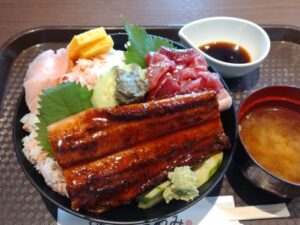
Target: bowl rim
[
  {"x": 242, "y": 104},
  {"x": 182, "y": 35}
]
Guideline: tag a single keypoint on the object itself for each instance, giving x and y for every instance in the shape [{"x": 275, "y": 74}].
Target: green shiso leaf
[
  {"x": 140, "y": 43},
  {"x": 58, "y": 103}
]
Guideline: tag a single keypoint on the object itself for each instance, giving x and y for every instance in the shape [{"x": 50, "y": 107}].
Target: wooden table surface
[{"x": 19, "y": 15}]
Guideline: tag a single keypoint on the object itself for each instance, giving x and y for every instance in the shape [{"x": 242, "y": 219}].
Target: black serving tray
[{"x": 20, "y": 203}]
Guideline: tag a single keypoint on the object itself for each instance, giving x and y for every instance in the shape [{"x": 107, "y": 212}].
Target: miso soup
[{"x": 271, "y": 134}]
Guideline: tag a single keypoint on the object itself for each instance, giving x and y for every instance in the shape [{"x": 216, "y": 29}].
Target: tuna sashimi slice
[
  {"x": 181, "y": 71},
  {"x": 160, "y": 65},
  {"x": 182, "y": 56}
]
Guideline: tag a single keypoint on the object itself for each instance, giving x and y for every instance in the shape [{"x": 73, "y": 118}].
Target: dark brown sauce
[{"x": 226, "y": 52}]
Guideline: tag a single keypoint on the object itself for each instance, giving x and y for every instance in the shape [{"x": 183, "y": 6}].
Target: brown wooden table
[{"x": 18, "y": 15}]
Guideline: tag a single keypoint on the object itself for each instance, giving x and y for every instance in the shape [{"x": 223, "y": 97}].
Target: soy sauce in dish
[{"x": 226, "y": 52}]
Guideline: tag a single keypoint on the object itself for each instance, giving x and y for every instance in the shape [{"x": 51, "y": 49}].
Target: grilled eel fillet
[{"x": 109, "y": 156}]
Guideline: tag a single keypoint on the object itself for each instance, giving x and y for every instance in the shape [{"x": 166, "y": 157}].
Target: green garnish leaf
[
  {"x": 58, "y": 103},
  {"x": 140, "y": 43}
]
